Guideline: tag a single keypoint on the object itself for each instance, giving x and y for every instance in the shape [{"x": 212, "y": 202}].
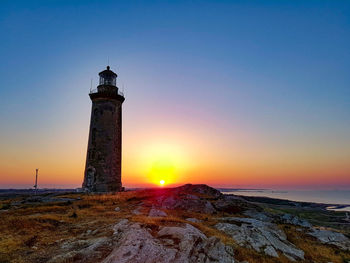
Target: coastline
[{"x": 326, "y": 199}]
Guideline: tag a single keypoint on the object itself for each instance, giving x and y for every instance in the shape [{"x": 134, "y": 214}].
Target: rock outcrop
[
  {"x": 202, "y": 189},
  {"x": 178, "y": 244},
  {"x": 200, "y": 199},
  {"x": 294, "y": 220},
  {"x": 81, "y": 250},
  {"x": 262, "y": 236},
  {"x": 186, "y": 198},
  {"x": 258, "y": 215},
  {"x": 194, "y": 246},
  {"x": 331, "y": 237},
  {"x": 233, "y": 204}
]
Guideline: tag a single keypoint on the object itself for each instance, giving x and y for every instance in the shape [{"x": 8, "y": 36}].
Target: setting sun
[
  {"x": 162, "y": 170},
  {"x": 164, "y": 162}
]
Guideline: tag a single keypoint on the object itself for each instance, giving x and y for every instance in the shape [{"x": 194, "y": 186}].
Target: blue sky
[{"x": 275, "y": 72}]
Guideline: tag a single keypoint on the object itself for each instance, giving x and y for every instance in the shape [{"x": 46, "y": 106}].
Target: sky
[{"x": 251, "y": 94}]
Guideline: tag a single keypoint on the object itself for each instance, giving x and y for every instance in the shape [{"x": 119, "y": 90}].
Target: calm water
[{"x": 341, "y": 197}]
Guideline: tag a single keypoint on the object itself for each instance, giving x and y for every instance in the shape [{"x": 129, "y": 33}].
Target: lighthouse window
[{"x": 108, "y": 80}]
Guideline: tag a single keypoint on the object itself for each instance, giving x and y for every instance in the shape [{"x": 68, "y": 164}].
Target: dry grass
[
  {"x": 314, "y": 251},
  {"x": 31, "y": 233}
]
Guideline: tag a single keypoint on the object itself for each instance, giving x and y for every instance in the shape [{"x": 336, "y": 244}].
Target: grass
[
  {"x": 317, "y": 217},
  {"x": 31, "y": 233},
  {"x": 314, "y": 251}
]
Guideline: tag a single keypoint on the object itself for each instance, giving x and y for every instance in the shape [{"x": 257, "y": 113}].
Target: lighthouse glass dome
[{"x": 108, "y": 77}]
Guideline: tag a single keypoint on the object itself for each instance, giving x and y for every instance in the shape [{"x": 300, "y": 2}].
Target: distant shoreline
[
  {"x": 325, "y": 199},
  {"x": 279, "y": 196}
]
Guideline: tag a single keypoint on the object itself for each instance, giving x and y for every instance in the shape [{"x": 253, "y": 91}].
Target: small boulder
[
  {"x": 156, "y": 213},
  {"x": 137, "y": 211},
  {"x": 194, "y": 220}
]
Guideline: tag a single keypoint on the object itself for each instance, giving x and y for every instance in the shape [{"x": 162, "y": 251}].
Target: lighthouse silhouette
[{"x": 104, "y": 152}]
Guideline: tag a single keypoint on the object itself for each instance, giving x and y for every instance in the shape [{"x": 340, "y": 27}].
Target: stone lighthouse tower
[{"x": 104, "y": 153}]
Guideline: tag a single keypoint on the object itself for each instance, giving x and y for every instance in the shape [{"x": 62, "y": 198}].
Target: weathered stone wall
[{"x": 103, "y": 160}]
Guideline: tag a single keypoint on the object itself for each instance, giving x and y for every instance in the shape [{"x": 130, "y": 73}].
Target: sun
[
  {"x": 164, "y": 163},
  {"x": 162, "y": 172}
]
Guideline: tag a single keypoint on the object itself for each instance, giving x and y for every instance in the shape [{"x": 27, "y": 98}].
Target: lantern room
[{"x": 108, "y": 77}]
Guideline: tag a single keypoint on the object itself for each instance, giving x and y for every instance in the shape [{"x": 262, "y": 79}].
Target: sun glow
[
  {"x": 164, "y": 163},
  {"x": 162, "y": 170}
]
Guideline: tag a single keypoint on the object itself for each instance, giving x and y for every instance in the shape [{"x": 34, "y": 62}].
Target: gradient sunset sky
[{"x": 228, "y": 93}]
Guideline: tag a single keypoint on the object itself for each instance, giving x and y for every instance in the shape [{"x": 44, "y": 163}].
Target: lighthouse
[{"x": 104, "y": 152}]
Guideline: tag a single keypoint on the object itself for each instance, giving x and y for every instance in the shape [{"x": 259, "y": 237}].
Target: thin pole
[{"x": 36, "y": 181}]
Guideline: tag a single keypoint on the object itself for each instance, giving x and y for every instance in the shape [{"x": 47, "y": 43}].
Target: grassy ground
[
  {"x": 317, "y": 217},
  {"x": 36, "y": 232}
]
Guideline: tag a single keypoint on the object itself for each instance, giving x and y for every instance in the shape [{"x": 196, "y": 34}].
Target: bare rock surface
[
  {"x": 193, "y": 220},
  {"x": 187, "y": 202},
  {"x": 137, "y": 211},
  {"x": 200, "y": 199},
  {"x": 233, "y": 204},
  {"x": 136, "y": 244},
  {"x": 294, "y": 220},
  {"x": 156, "y": 213},
  {"x": 185, "y": 198},
  {"x": 258, "y": 215},
  {"x": 183, "y": 243},
  {"x": 262, "y": 236},
  {"x": 199, "y": 189},
  {"x": 331, "y": 237},
  {"x": 81, "y": 249}
]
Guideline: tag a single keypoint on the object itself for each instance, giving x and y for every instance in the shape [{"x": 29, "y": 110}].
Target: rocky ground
[{"x": 191, "y": 223}]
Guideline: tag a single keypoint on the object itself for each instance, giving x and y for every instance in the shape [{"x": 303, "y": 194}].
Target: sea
[{"x": 331, "y": 197}]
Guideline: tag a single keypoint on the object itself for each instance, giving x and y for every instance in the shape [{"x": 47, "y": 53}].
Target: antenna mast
[{"x": 36, "y": 181}]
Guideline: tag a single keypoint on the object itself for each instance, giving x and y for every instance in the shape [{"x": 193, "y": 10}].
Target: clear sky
[{"x": 228, "y": 93}]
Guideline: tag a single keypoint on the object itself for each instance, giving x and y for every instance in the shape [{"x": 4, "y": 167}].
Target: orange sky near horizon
[{"x": 177, "y": 155}]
